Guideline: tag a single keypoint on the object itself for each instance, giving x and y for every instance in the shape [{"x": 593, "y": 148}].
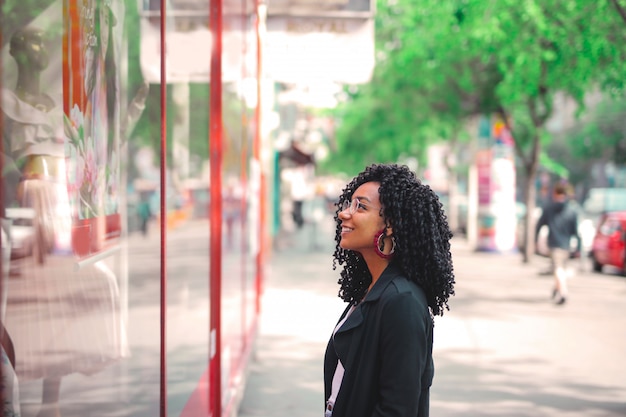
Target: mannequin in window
[
  {"x": 35, "y": 134},
  {"x": 72, "y": 322}
]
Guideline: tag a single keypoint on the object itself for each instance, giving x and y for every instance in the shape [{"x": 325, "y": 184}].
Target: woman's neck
[{"x": 376, "y": 266}]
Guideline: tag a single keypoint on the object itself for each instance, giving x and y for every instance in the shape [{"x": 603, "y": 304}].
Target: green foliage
[
  {"x": 147, "y": 132},
  {"x": 439, "y": 62},
  {"x": 599, "y": 137},
  {"x": 199, "y": 119},
  {"x": 603, "y": 135},
  {"x": 552, "y": 166},
  {"x": 132, "y": 29}
]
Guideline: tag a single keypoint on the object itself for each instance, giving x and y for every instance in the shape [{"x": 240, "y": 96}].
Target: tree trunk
[
  {"x": 531, "y": 194},
  {"x": 529, "y": 223}
]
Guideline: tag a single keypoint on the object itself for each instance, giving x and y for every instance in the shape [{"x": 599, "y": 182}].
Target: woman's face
[{"x": 358, "y": 229}]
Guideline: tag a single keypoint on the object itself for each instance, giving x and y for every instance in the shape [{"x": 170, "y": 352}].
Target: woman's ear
[{"x": 388, "y": 230}]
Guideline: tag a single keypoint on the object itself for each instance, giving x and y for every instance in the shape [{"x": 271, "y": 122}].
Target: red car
[{"x": 609, "y": 243}]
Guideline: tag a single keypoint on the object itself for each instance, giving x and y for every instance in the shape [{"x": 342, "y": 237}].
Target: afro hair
[{"x": 420, "y": 230}]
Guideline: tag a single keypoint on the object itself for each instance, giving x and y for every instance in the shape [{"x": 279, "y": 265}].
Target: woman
[{"x": 393, "y": 242}]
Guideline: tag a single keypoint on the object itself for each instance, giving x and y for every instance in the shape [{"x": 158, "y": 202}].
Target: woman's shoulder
[
  {"x": 403, "y": 296},
  {"x": 401, "y": 284}
]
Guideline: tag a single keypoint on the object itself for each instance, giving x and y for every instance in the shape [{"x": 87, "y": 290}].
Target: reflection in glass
[{"x": 62, "y": 313}]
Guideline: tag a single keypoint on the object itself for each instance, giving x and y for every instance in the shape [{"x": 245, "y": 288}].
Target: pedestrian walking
[
  {"x": 561, "y": 218},
  {"x": 393, "y": 244}
]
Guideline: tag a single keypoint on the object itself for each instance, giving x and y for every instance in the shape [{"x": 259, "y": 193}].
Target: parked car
[
  {"x": 609, "y": 243},
  {"x": 22, "y": 231}
]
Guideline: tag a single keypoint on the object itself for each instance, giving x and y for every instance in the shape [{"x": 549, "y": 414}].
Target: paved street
[{"x": 502, "y": 350}]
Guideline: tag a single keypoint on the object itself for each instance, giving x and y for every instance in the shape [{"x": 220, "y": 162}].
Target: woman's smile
[{"x": 361, "y": 219}]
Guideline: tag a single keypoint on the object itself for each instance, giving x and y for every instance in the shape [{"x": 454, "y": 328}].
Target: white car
[{"x": 22, "y": 232}]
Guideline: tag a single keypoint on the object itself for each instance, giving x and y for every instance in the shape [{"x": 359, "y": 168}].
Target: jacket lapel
[{"x": 354, "y": 320}]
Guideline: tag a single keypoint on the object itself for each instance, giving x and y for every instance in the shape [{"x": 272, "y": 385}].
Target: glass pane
[
  {"x": 186, "y": 199},
  {"x": 67, "y": 298},
  {"x": 81, "y": 243},
  {"x": 240, "y": 211}
]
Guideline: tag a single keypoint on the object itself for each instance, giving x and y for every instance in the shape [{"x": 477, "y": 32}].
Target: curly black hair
[{"x": 420, "y": 229}]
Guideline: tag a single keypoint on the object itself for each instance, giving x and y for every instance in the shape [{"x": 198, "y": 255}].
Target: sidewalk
[{"x": 502, "y": 350}]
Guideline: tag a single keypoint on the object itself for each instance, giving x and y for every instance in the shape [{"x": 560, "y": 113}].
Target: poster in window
[{"x": 91, "y": 106}]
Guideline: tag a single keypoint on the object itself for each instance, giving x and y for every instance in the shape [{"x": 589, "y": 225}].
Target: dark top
[
  {"x": 385, "y": 346},
  {"x": 562, "y": 221}
]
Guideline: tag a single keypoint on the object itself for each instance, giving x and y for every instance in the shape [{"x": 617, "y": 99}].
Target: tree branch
[
  {"x": 518, "y": 148},
  {"x": 620, "y": 9},
  {"x": 544, "y": 98},
  {"x": 536, "y": 119}
]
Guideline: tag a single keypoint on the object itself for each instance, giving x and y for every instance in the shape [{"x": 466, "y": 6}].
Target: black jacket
[
  {"x": 562, "y": 221},
  {"x": 385, "y": 347}
]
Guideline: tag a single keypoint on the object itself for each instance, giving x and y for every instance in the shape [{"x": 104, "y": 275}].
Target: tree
[
  {"x": 452, "y": 59},
  {"x": 561, "y": 47}
]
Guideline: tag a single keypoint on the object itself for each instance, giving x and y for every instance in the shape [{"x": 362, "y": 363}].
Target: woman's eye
[{"x": 361, "y": 206}]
